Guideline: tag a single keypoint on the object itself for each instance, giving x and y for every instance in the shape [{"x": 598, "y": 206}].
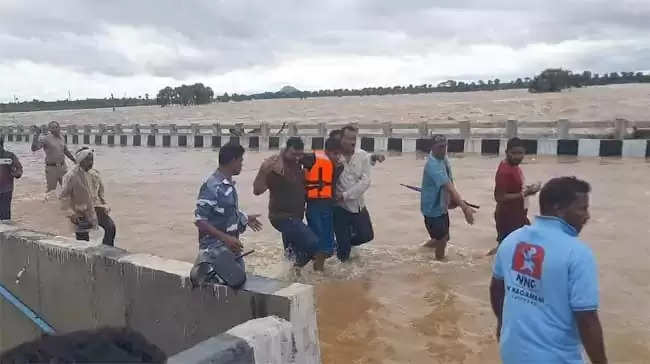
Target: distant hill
[{"x": 289, "y": 90}]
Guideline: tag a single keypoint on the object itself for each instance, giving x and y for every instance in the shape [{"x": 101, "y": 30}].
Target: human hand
[
  {"x": 532, "y": 189},
  {"x": 379, "y": 158},
  {"x": 469, "y": 213},
  {"x": 233, "y": 244},
  {"x": 254, "y": 223}
]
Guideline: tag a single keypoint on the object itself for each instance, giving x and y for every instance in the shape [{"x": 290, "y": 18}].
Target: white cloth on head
[{"x": 83, "y": 154}]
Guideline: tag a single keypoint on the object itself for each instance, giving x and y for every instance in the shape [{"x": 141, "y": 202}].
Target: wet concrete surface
[{"x": 392, "y": 303}]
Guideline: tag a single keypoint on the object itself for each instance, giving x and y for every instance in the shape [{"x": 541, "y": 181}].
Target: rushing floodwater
[{"x": 393, "y": 303}]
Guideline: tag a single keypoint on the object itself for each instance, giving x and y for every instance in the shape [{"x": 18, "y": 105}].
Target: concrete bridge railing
[{"x": 585, "y": 138}]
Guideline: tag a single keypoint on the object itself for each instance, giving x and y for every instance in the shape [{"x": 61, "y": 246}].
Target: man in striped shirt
[{"x": 217, "y": 215}]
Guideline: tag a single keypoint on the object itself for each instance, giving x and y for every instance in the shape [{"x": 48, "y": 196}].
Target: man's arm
[
  {"x": 100, "y": 190},
  {"x": 68, "y": 154},
  {"x": 361, "y": 186},
  {"x": 37, "y": 143},
  {"x": 591, "y": 334},
  {"x": 17, "y": 167},
  {"x": 497, "y": 294},
  {"x": 259, "y": 185},
  {"x": 458, "y": 200},
  {"x": 233, "y": 243}
]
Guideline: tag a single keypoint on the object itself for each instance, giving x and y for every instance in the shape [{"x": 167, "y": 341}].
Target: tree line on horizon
[{"x": 186, "y": 95}]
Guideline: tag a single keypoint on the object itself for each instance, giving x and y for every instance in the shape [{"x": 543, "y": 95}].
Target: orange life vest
[{"x": 319, "y": 178}]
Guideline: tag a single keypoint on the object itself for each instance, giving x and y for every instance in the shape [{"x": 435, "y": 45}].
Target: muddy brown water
[
  {"x": 589, "y": 103},
  {"x": 392, "y": 303}
]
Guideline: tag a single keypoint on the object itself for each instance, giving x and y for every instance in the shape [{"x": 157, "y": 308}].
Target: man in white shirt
[{"x": 352, "y": 224}]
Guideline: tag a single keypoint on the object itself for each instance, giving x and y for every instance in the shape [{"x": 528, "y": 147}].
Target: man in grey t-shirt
[{"x": 55, "y": 153}]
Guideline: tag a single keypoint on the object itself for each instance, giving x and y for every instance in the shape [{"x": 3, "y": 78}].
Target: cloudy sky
[{"x": 95, "y": 47}]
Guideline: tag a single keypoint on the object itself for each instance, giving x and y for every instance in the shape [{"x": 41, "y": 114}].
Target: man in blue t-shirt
[
  {"x": 544, "y": 289},
  {"x": 438, "y": 195}
]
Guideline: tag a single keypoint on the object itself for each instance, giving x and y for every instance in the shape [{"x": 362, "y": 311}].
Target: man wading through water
[
  {"x": 320, "y": 183},
  {"x": 544, "y": 289},
  {"x": 84, "y": 189},
  {"x": 10, "y": 169},
  {"x": 510, "y": 193},
  {"x": 55, "y": 153},
  {"x": 283, "y": 175},
  {"x": 438, "y": 195},
  {"x": 352, "y": 222}
]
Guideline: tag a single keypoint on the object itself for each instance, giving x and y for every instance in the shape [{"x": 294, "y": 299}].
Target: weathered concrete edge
[
  {"x": 302, "y": 316},
  {"x": 221, "y": 349},
  {"x": 267, "y": 340}
]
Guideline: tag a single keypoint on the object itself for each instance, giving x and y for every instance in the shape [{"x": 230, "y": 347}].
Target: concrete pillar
[
  {"x": 563, "y": 128},
  {"x": 173, "y": 135},
  {"x": 465, "y": 130},
  {"x": 322, "y": 129},
  {"x": 71, "y": 131},
  {"x": 423, "y": 129},
  {"x": 153, "y": 131},
  {"x": 621, "y": 128},
  {"x": 196, "y": 131},
  {"x": 388, "y": 129},
  {"x": 511, "y": 128},
  {"x": 293, "y": 129},
  {"x": 265, "y": 133},
  {"x": 136, "y": 131}
]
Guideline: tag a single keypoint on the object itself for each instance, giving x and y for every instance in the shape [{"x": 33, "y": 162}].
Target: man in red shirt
[{"x": 510, "y": 192}]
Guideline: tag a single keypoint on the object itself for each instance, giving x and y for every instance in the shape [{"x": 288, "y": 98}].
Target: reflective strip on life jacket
[{"x": 319, "y": 178}]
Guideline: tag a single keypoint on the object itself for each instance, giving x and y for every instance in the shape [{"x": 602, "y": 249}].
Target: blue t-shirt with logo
[
  {"x": 433, "y": 197},
  {"x": 549, "y": 274}
]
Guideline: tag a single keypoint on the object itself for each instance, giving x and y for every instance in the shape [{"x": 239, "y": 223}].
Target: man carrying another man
[
  {"x": 55, "y": 153},
  {"x": 438, "y": 195},
  {"x": 352, "y": 222},
  {"x": 84, "y": 189},
  {"x": 283, "y": 175}
]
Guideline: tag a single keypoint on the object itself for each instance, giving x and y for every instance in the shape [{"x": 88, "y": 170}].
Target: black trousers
[
  {"x": 5, "y": 205},
  {"x": 351, "y": 229},
  {"x": 106, "y": 223}
]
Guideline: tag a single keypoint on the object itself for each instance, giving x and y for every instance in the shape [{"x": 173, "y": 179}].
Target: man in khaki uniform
[{"x": 55, "y": 153}]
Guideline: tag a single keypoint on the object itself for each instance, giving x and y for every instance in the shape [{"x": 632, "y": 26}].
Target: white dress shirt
[{"x": 354, "y": 181}]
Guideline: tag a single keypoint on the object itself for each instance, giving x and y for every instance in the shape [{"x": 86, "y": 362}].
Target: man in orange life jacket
[{"x": 320, "y": 182}]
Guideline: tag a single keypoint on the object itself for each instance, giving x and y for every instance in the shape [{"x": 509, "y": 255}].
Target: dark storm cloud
[{"x": 177, "y": 39}]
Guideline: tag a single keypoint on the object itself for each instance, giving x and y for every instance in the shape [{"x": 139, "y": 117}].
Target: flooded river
[{"x": 392, "y": 303}]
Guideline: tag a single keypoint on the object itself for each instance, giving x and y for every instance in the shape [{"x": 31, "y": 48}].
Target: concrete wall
[
  {"x": 268, "y": 340},
  {"x": 75, "y": 286}
]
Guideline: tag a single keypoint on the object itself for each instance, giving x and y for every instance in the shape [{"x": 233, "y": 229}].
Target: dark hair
[
  {"x": 351, "y": 128},
  {"x": 336, "y": 133},
  {"x": 333, "y": 145},
  {"x": 514, "y": 143},
  {"x": 295, "y": 143},
  {"x": 230, "y": 152},
  {"x": 101, "y": 346},
  {"x": 561, "y": 191}
]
